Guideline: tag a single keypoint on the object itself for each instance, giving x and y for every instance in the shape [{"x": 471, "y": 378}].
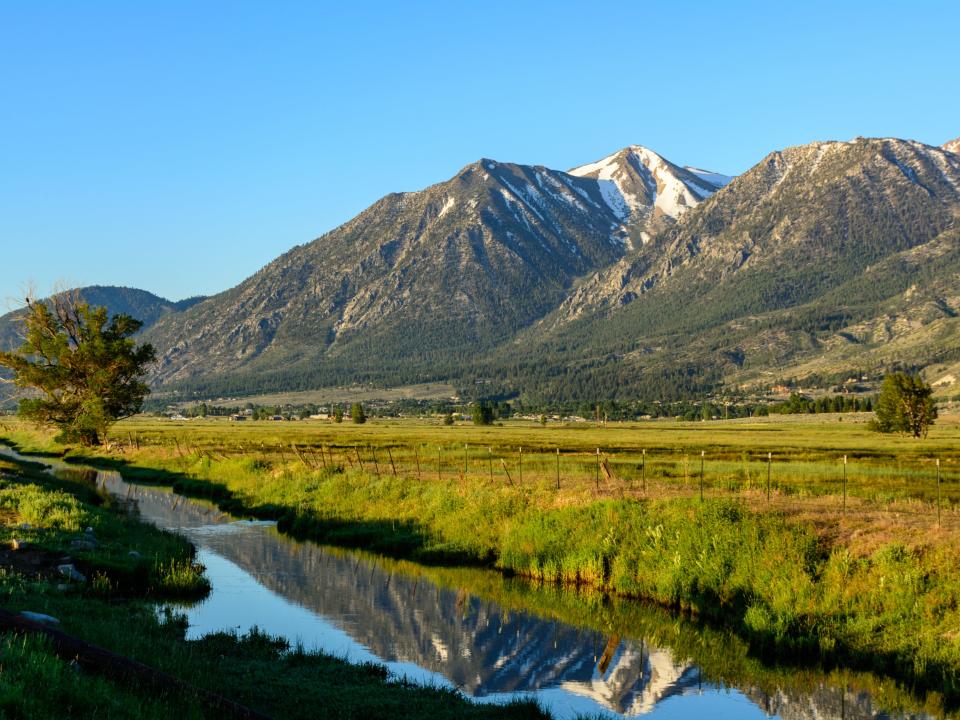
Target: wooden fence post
[
  {"x": 938, "y": 492},
  {"x": 769, "y": 462},
  {"x": 506, "y": 470},
  {"x": 844, "y": 483},
  {"x": 598, "y": 462},
  {"x": 702, "y": 454},
  {"x": 392, "y": 464},
  {"x": 558, "y": 468}
]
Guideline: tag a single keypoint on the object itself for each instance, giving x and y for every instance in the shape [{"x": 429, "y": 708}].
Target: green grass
[
  {"x": 254, "y": 669},
  {"x": 115, "y": 610},
  {"x": 876, "y": 587},
  {"x": 129, "y": 556}
]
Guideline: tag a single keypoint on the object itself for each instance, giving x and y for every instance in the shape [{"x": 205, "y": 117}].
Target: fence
[{"x": 924, "y": 486}]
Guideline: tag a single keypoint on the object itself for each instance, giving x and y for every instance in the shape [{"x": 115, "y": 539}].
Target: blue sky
[{"x": 180, "y": 146}]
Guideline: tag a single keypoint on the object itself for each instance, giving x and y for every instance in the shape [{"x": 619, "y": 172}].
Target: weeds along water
[
  {"x": 857, "y": 572},
  {"x": 129, "y": 566}
]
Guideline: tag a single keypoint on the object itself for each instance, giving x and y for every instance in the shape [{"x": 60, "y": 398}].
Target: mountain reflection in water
[{"x": 362, "y": 608}]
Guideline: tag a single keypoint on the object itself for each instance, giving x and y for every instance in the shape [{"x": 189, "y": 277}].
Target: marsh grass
[
  {"x": 254, "y": 669},
  {"x": 877, "y": 586}
]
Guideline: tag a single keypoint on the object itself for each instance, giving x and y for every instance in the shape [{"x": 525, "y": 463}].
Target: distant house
[{"x": 238, "y": 418}]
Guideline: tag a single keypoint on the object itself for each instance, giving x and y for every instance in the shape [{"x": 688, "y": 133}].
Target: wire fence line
[{"x": 928, "y": 485}]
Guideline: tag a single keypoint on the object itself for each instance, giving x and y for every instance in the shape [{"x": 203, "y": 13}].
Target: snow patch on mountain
[
  {"x": 446, "y": 207},
  {"x": 636, "y": 180},
  {"x": 713, "y": 178},
  {"x": 613, "y": 196}
]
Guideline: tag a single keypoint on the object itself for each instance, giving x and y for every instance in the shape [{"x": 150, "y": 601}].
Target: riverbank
[
  {"x": 119, "y": 570},
  {"x": 858, "y": 588}
]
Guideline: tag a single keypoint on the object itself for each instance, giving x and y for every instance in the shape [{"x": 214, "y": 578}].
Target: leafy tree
[
  {"x": 338, "y": 414},
  {"x": 82, "y": 370},
  {"x": 357, "y": 414},
  {"x": 905, "y": 405},
  {"x": 482, "y": 413},
  {"x": 448, "y": 419}
]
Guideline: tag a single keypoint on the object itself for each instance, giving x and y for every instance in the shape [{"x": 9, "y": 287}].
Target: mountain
[
  {"x": 421, "y": 283},
  {"x": 646, "y": 191},
  {"x": 830, "y": 248},
  {"x": 627, "y": 277},
  {"x": 952, "y": 146},
  {"x": 143, "y": 305}
]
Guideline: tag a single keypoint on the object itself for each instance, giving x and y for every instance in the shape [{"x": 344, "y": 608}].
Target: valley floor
[
  {"x": 759, "y": 526},
  {"x": 121, "y": 572}
]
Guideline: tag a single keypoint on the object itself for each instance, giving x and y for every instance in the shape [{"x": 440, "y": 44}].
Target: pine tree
[
  {"x": 83, "y": 369},
  {"x": 482, "y": 413},
  {"x": 905, "y": 405},
  {"x": 357, "y": 414}
]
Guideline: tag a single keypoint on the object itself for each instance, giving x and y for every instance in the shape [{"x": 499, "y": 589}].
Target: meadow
[
  {"x": 863, "y": 573},
  {"x": 133, "y": 567}
]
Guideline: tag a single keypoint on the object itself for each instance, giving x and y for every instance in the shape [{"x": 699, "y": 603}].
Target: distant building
[{"x": 238, "y": 418}]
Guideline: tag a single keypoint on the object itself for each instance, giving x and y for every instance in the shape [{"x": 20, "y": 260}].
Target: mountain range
[
  {"x": 628, "y": 277},
  {"x": 143, "y": 305}
]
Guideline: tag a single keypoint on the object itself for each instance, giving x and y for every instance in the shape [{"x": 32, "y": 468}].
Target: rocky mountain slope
[
  {"x": 422, "y": 282},
  {"x": 627, "y": 277},
  {"x": 647, "y": 192},
  {"x": 952, "y": 146},
  {"x": 813, "y": 242}
]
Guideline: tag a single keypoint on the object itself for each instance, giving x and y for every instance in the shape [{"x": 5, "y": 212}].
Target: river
[{"x": 494, "y": 638}]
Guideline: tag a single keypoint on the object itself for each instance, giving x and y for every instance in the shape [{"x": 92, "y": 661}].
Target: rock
[
  {"x": 18, "y": 544},
  {"x": 62, "y": 586},
  {"x": 80, "y": 544},
  {"x": 134, "y": 554},
  {"x": 71, "y": 573},
  {"x": 39, "y": 617},
  {"x": 89, "y": 531}
]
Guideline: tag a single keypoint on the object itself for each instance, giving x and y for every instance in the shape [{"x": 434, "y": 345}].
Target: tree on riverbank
[
  {"x": 905, "y": 405},
  {"x": 81, "y": 369}
]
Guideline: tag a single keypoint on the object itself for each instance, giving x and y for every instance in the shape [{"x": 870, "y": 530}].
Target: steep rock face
[
  {"x": 832, "y": 251},
  {"x": 840, "y": 252},
  {"x": 421, "y": 277},
  {"x": 800, "y": 217},
  {"x": 952, "y": 146}
]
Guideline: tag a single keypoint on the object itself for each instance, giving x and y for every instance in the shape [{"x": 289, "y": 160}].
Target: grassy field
[
  {"x": 868, "y": 578},
  {"x": 132, "y": 566}
]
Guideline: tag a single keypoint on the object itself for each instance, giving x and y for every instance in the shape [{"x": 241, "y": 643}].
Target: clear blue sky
[{"x": 180, "y": 146}]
